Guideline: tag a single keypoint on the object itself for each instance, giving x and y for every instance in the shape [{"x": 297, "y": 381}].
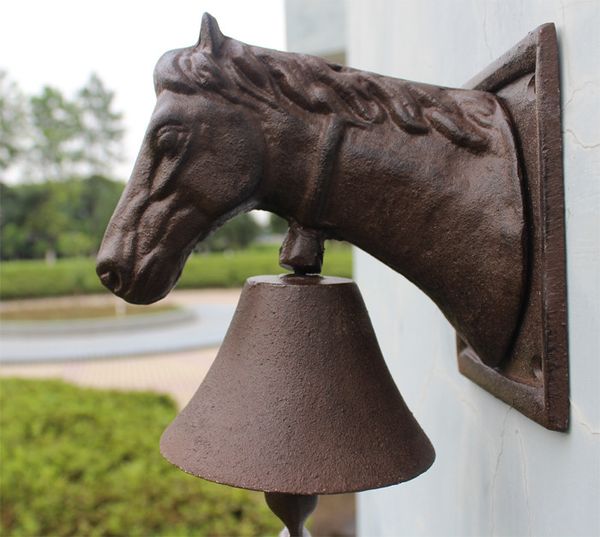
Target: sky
[{"x": 61, "y": 42}]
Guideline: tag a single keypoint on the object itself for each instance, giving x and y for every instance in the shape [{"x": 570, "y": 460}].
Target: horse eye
[{"x": 168, "y": 140}]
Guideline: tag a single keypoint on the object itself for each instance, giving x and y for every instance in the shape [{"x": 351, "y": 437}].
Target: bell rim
[{"x": 307, "y": 492}]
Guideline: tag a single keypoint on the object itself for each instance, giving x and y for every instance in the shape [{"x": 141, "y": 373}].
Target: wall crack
[
  {"x": 579, "y": 142},
  {"x": 579, "y": 89},
  {"x": 525, "y": 482},
  {"x": 496, "y": 471}
]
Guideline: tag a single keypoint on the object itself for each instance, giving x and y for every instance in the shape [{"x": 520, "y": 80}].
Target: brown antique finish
[
  {"x": 424, "y": 178},
  {"x": 460, "y": 190},
  {"x": 299, "y": 402},
  {"x": 534, "y": 375},
  {"x": 299, "y": 399},
  {"x": 292, "y": 510}
]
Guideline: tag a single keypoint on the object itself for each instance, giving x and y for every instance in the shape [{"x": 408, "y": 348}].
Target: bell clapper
[{"x": 292, "y": 510}]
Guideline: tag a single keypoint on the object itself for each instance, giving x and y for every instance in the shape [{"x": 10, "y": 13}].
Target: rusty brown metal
[
  {"x": 299, "y": 399},
  {"x": 534, "y": 375},
  {"x": 292, "y": 510},
  {"x": 460, "y": 190},
  {"x": 302, "y": 250},
  {"x": 424, "y": 178}
]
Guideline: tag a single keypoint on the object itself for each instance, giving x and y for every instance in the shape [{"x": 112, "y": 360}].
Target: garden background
[{"x": 78, "y": 460}]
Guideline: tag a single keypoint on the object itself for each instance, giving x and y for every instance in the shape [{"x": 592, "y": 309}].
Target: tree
[
  {"x": 56, "y": 217},
  {"x": 277, "y": 225},
  {"x": 75, "y": 137},
  {"x": 96, "y": 203},
  {"x": 31, "y": 220},
  {"x": 235, "y": 234},
  {"x": 13, "y": 122},
  {"x": 68, "y": 142},
  {"x": 57, "y": 136},
  {"x": 100, "y": 126}
]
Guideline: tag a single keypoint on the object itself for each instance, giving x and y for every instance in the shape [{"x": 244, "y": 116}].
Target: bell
[{"x": 299, "y": 401}]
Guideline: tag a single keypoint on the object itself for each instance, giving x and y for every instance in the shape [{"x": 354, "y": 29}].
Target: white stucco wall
[
  {"x": 496, "y": 473},
  {"x": 315, "y": 26}
]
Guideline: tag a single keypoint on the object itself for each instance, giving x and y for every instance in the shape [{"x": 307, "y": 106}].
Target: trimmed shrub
[
  {"x": 32, "y": 279},
  {"x": 83, "y": 462}
]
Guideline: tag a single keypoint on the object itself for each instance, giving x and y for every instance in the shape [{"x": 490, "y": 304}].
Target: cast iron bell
[{"x": 299, "y": 401}]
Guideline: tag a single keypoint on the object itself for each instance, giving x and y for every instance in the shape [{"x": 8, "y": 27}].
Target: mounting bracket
[{"x": 534, "y": 377}]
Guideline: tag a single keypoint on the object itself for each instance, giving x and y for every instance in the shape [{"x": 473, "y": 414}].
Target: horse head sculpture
[{"x": 426, "y": 179}]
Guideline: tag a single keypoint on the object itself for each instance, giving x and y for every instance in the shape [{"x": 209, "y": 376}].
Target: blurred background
[{"x": 87, "y": 382}]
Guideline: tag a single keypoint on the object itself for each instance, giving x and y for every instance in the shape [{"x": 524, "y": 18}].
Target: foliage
[
  {"x": 85, "y": 462},
  {"x": 101, "y": 127},
  {"x": 69, "y": 218},
  {"x": 29, "y": 279},
  {"x": 237, "y": 233},
  {"x": 277, "y": 225},
  {"x": 65, "y": 136},
  {"x": 33, "y": 279},
  {"x": 57, "y": 140},
  {"x": 13, "y": 116},
  {"x": 56, "y": 128},
  {"x": 66, "y": 217}
]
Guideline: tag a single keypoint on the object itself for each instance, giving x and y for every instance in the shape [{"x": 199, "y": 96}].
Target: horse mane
[{"x": 255, "y": 76}]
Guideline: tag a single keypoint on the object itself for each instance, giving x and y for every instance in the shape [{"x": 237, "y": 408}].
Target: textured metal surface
[
  {"x": 424, "y": 178},
  {"x": 302, "y": 250},
  {"x": 439, "y": 184},
  {"x": 534, "y": 376},
  {"x": 299, "y": 399},
  {"x": 292, "y": 510}
]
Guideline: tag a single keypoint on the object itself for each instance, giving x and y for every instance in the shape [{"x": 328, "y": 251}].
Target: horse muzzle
[{"x": 145, "y": 283}]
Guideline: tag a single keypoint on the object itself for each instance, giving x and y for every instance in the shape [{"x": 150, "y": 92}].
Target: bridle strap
[
  {"x": 302, "y": 248},
  {"x": 313, "y": 204}
]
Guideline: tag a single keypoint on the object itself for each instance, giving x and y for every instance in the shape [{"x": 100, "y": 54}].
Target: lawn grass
[
  {"x": 83, "y": 462},
  {"x": 35, "y": 279}
]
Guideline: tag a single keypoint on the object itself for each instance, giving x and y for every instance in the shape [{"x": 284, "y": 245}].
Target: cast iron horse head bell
[{"x": 434, "y": 182}]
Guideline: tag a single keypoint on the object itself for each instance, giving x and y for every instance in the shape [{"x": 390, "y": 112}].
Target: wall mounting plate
[{"x": 534, "y": 377}]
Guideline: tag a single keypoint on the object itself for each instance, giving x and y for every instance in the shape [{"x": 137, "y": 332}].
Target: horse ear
[{"x": 211, "y": 37}]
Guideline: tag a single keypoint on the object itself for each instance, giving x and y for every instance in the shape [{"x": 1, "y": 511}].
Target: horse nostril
[
  {"x": 109, "y": 277},
  {"x": 111, "y": 280}
]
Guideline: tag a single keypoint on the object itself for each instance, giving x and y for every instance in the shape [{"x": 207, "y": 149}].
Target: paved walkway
[
  {"x": 178, "y": 374},
  {"x": 200, "y": 323}
]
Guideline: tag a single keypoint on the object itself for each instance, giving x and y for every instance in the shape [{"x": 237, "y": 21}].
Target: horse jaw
[{"x": 148, "y": 278}]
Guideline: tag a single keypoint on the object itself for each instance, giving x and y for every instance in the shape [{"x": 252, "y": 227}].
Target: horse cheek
[{"x": 227, "y": 177}]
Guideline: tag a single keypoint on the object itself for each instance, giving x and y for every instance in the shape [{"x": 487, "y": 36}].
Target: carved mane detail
[{"x": 253, "y": 76}]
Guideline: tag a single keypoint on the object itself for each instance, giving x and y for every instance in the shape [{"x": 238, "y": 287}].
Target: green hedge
[
  {"x": 33, "y": 279},
  {"x": 30, "y": 279},
  {"x": 83, "y": 462}
]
